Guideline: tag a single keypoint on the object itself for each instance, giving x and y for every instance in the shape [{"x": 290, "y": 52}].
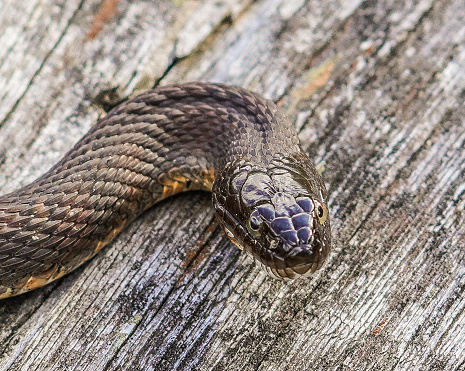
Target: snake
[{"x": 267, "y": 195}]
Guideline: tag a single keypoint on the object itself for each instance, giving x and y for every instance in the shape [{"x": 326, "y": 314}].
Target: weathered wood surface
[{"x": 376, "y": 90}]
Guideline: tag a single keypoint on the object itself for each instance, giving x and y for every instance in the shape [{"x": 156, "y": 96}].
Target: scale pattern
[{"x": 165, "y": 141}]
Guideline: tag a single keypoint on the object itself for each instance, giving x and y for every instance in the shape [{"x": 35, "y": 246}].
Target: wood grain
[{"x": 376, "y": 90}]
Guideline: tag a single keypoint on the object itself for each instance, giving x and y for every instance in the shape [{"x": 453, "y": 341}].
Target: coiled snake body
[{"x": 267, "y": 194}]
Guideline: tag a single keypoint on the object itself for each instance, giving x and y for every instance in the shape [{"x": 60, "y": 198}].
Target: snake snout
[{"x": 304, "y": 259}]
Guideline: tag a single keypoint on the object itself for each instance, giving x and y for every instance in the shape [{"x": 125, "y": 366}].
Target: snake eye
[
  {"x": 321, "y": 213},
  {"x": 255, "y": 223}
]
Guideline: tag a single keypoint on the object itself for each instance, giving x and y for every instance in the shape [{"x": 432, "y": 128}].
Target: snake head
[{"x": 277, "y": 213}]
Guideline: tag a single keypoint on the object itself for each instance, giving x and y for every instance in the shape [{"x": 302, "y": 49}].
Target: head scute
[{"x": 277, "y": 213}]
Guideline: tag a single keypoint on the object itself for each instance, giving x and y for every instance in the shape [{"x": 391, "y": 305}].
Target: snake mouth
[
  {"x": 300, "y": 261},
  {"x": 304, "y": 259}
]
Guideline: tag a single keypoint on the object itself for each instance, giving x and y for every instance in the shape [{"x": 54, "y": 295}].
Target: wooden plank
[{"x": 376, "y": 90}]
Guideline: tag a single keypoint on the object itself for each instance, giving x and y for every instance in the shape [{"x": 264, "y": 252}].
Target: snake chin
[
  {"x": 287, "y": 273},
  {"x": 300, "y": 261}
]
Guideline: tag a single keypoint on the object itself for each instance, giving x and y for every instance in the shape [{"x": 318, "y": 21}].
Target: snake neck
[{"x": 179, "y": 137}]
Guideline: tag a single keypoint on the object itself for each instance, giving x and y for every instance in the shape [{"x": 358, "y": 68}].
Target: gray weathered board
[{"x": 376, "y": 90}]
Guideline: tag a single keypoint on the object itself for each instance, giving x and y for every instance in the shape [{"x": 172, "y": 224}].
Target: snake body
[{"x": 266, "y": 193}]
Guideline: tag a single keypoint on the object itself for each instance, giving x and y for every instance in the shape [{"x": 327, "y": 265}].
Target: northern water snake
[{"x": 267, "y": 195}]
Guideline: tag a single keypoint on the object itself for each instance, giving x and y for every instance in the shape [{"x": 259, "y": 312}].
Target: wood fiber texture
[{"x": 376, "y": 90}]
